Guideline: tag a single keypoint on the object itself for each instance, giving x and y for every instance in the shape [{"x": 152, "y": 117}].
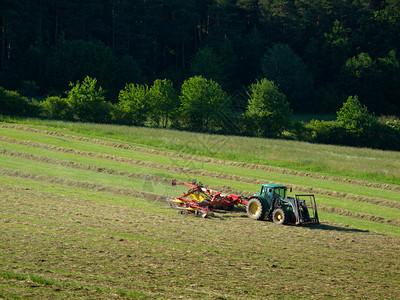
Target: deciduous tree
[
  {"x": 268, "y": 112},
  {"x": 204, "y": 105}
]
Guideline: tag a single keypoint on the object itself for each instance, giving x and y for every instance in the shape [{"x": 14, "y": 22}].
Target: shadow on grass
[
  {"x": 336, "y": 228},
  {"x": 240, "y": 213}
]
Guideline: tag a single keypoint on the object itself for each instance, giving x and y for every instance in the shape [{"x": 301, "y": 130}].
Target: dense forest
[{"x": 317, "y": 52}]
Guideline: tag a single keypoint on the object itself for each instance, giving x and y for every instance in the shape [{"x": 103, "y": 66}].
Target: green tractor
[{"x": 273, "y": 204}]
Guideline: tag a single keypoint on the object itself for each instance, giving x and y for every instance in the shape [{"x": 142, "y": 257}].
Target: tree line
[
  {"x": 202, "y": 105},
  {"x": 318, "y": 53}
]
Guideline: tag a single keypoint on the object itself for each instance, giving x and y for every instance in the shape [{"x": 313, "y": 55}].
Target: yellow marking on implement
[
  {"x": 177, "y": 201},
  {"x": 197, "y": 197},
  {"x": 186, "y": 208}
]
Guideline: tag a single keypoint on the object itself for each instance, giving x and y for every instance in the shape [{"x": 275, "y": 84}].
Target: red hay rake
[{"x": 200, "y": 200}]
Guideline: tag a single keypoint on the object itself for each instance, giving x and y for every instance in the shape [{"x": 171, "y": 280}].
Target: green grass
[
  {"x": 363, "y": 164},
  {"x": 12, "y": 275},
  {"x": 157, "y": 165},
  {"x": 362, "y": 225},
  {"x": 41, "y": 280},
  {"x": 86, "y": 194},
  {"x": 56, "y": 171},
  {"x": 81, "y": 243},
  {"x": 361, "y": 207},
  {"x": 194, "y": 165}
]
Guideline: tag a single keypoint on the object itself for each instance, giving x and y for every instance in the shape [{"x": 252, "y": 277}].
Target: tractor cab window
[
  {"x": 280, "y": 192},
  {"x": 269, "y": 192},
  {"x": 263, "y": 191}
]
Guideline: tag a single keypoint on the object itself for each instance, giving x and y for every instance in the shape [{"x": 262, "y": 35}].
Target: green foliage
[
  {"x": 337, "y": 45},
  {"x": 355, "y": 118},
  {"x": 134, "y": 104},
  {"x": 13, "y": 104},
  {"x": 164, "y": 102},
  {"x": 220, "y": 65},
  {"x": 283, "y": 66},
  {"x": 268, "y": 112},
  {"x": 325, "y": 132},
  {"x": 393, "y": 123},
  {"x": 208, "y": 64},
  {"x": 361, "y": 66},
  {"x": 204, "y": 105},
  {"x": 229, "y": 60},
  {"x": 128, "y": 41},
  {"x": 29, "y": 89},
  {"x": 385, "y": 136},
  {"x": 374, "y": 79},
  {"x": 87, "y": 101},
  {"x": 73, "y": 59},
  {"x": 56, "y": 108},
  {"x": 355, "y": 126}
]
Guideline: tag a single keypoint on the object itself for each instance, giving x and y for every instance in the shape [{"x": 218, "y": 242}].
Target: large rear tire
[
  {"x": 256, "y": 209},
  {"x": 279, "y": 216}
]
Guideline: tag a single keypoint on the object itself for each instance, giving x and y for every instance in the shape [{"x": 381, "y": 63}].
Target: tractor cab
[{"x": 270, "y": 191}]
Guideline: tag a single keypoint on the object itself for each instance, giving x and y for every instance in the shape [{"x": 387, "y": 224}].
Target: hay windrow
[
  {"x": 207, "y": 160},
  {"x": 83, "y": 238},
  {"x": 184, "y": 170},
  {"x": 86, "y": 249},
  {"x": 150, "y": 196},
  {"x": 367, "y": 217},
  {"x": 84, "y": 185}
]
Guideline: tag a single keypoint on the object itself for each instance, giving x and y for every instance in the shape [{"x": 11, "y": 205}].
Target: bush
[
  {"x": 355, "y": 118},
  {"x": 326, "y": 132},
  {"x": 371, "y": 134},
  {"x": 134, "y": 104},
  {"x": 87, "y": 101},
  {"x": 13, "y": 104},
  {"x": 358, "y": 123},
  {"x": 56, "y": 108},
  {"x": 299, "y": 131}
]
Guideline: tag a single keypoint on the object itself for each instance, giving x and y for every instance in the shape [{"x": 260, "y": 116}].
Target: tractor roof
[{"x": 273, "y": 185}]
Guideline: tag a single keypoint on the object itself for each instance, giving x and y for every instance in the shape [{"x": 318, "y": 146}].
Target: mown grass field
[{"x": 83, "y": 214}]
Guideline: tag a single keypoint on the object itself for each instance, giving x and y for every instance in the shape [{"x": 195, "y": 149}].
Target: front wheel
[
  {"x": 279, "y": 216},
  {"x": 256, "y": 209}
]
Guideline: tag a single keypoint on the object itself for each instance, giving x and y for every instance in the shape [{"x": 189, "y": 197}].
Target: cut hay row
[
  {"x": 85, "y": 185},
  {"x": 233, "y": 179},
  {"x": 84, "y": 221},
  {"x": 205, "y": 159},
  {"x": 177, "y": 169},
  {"x": 77, "y": 248},
  {"x": 151, "y": 196}
]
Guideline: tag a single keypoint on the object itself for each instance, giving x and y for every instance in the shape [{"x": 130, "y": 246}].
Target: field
[{"x": 83, "y": 214}]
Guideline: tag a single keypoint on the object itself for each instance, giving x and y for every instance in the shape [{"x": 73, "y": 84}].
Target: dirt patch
[{"x": 208, "y": 160}]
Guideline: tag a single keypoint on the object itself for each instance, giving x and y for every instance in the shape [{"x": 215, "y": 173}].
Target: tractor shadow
[
  {"x": 238, "y": 212},
  {"x": 334, "y": 228}
]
